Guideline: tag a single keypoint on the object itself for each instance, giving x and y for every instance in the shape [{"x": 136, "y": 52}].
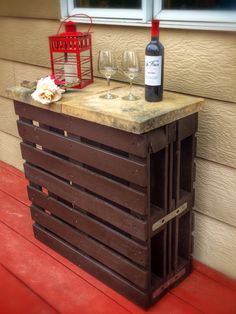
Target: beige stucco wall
[{"x": 201, "y": 63}]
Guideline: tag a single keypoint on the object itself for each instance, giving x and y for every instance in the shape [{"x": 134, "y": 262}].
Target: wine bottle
[{"x": 154, "y": 65}]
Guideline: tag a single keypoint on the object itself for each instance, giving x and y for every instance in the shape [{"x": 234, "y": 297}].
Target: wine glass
[
  {"x": 131, "y": 68},
  {"x": 107, "y": 67}
]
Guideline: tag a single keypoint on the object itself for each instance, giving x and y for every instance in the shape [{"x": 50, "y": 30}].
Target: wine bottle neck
[
  {"x": 155, "y": 38},
  {"x": 155, "y": 28}
]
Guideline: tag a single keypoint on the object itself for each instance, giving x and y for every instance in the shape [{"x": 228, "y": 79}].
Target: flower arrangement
[{"x": 48, "y": 90}]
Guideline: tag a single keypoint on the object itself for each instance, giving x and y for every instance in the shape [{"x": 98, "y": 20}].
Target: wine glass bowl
[
  {"x": 131, "y": 69},
  {"x": 107, "y": 67}
]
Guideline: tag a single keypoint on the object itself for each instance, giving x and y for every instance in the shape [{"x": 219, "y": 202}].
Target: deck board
[
  {"x": 13, "y": 185},
  {"x": 69, "y": 289},
  {"x": 16, "y": 216},
  {"x": 208, "y": 295},
  {"x": 12, "y": 169},
  {"x": 15, "y": 297},
  {"x": 215, "y": 275},
  {"x": 50, "y": 279}
]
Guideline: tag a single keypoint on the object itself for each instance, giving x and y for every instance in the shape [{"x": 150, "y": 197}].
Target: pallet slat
[
  {"x": 90, "y": 265},
  {"x": 85, "y": 201},
  {"x": 119, "y": 166},
  {"x": 98, "y": 184},
  {"x": 117, "y": 218},
  {"x": 92, "y": 248},
  {"x": 187, "y": 126},
  {"x": 131, "y": 143},
  {"x": 119, "y": 242}
]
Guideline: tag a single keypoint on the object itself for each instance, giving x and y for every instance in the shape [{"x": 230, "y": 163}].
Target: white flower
[{"x": 47, "y": 91}]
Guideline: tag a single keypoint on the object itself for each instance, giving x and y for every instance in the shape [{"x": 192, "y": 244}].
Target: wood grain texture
[
  {"x": 14, "y": 73},
  {"x": 12, "y": 207},
  {"x": 7, "y": 72},
  {"x": 8, "y": 117},
  {"x": 87, "y": 179},
  {"x": 135, "y": 172},
  {"x": 29, "y": 72},
  {"x": 26, "y": 40},
  {"x": 215, "y": 191},
  {"x": 201, "y": 63},
  {"x": 27, "y": 8},
  {"x": 216, "y": 137},
  {"x": 31, "y": 264},
  {"x": 196, "y": 62},
  {"x": 24, "y": 298},
  {"x": 135, "y": 117},
  {"x": 10, "y": 150},
  {"x": 215, "y": 244}
]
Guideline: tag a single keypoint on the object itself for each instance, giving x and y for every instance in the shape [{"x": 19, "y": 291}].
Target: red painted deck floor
[{"x": 35, "y": 279}]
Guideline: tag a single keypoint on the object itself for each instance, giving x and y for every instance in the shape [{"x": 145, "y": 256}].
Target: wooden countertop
[{"x": 131, "y": 116}]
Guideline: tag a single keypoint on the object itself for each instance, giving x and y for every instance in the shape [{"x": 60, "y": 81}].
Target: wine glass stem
[
  {"x": 108, "y": 85},
  {"x": 130, "y": 87}
]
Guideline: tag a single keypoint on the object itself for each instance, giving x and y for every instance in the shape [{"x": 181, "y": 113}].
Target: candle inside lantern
[{"x": 70, "y": 71}]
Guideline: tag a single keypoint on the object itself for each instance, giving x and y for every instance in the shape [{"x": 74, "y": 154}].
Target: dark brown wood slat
[
  {"x": 187, "y": 126},
  {"x": 175, "y": 231},
  {"x": 171, "y": 132},
  {"x": 95, "y": 206},
  {"x": 187, "y": 163},
  {"x": 171, "y": 201},
  {"x": 84, "y": 223},
  {"x": 92, "y": 248},
  {"x": 159, "y": 178},
  {"x": 110, "y": 189},
  {"x": 119, "y": 166},
  {"x": 120, "y": 243},
  {"x": 176, "y": 173},
  {"x": 128, "y": 142},
  {"x": 95, "y": 268},
  {"x": 72, "y": 216},
  {"x": 169, "y": 248},
  {"x": 184, "y": 242},
  {"x": 158, "y": 139},
  {"x": 121, "y": 220}
]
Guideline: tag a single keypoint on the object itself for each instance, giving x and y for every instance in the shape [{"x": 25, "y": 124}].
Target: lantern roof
[
  {"x": 71, "y": 34},
  {"x": 70, "y": 31}
]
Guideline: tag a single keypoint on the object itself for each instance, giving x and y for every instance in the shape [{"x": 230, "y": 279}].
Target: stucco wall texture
[{"x": 200, "y": 63}]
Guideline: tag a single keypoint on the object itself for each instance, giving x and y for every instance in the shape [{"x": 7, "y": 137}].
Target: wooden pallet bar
[{"x": 117, "y": 201}]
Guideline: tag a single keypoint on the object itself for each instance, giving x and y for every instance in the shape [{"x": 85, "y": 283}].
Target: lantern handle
[{"x": 79, "y": 14}]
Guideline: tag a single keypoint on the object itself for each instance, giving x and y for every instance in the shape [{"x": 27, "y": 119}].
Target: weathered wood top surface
[{"x": 131, "y": 116}]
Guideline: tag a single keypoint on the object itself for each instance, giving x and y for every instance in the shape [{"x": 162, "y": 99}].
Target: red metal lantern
[{"x": 71, "y": 56}]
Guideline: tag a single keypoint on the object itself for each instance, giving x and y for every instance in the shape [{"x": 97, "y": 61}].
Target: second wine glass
[
  {"x": 107, "y": 67},
  {"x": 131, "y": 69}
]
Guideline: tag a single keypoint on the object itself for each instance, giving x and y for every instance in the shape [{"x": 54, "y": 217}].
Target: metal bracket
[{"x": 170, "y": 216}]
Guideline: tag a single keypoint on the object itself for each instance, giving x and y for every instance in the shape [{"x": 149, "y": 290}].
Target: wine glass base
[
  {"x": 131, "y": 97},
  {"x": 108, "y": 96}
]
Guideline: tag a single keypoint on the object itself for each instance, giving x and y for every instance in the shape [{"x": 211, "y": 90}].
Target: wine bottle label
[{"x": 153, "y": 70}]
